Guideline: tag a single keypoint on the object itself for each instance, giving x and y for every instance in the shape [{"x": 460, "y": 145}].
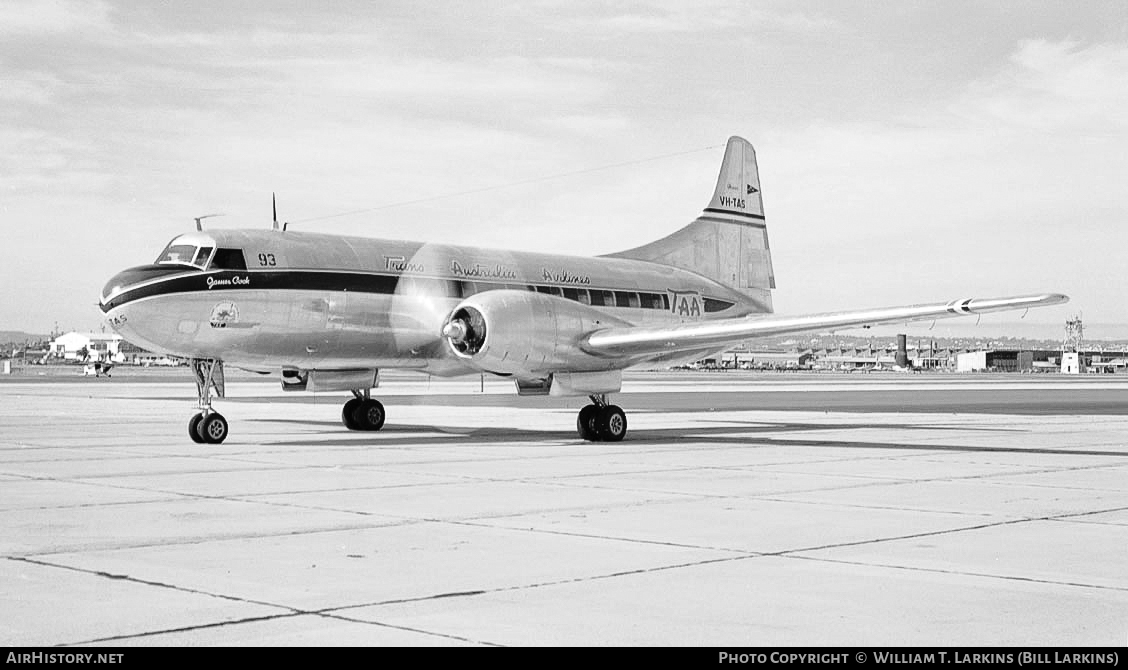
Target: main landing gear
[
  {"x": 208, "y": 426},
  {"x": 363, "y": 412},
  {"x": 600, "y": 422}
]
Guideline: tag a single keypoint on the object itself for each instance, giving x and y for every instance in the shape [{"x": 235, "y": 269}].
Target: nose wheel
[
  {"x": 208, "y": 426},
  {"x": 600, "y": 422}
]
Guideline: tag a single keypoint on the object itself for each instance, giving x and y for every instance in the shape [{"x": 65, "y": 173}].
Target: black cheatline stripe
[
  {"x": 758, "y": 217},
  {"x": 314, "y": 280},
  {"x": 260, "y": 280}
]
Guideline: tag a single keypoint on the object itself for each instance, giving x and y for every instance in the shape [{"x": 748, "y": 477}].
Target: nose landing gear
[
  {"x": 600, "y": 422},
  {"x": 208, "y": 426}
]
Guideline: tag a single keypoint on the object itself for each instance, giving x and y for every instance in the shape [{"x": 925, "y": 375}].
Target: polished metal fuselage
[{"x": 312, "y": 301}]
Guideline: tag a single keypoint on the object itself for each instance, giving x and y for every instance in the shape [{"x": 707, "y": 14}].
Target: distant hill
[{"x": 20, "y": 336}]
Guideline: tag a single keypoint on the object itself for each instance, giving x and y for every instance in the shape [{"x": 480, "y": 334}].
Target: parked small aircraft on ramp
[{"x": 328, "y": 312}]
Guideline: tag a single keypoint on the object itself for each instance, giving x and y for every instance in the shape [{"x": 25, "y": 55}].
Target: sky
[{"x": 908, "y": 151}]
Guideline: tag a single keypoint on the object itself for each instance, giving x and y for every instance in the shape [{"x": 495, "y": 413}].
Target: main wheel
[
  {"x": 369, "y": 415},
  {"x": 612, "y": 423},
  {"x": 585, "y": 423},
  {"x": 347, "y": 413},
  {"x": 194, "y": 428},
  {"x": 213, "y": 428}
]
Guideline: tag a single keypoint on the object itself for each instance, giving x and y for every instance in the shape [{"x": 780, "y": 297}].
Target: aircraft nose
[
  {"x": 116, "y": 284},
  {"x": 126, "y": 279}
]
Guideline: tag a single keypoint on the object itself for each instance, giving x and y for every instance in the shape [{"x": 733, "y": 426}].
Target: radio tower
[{"x": 1071, "y": 346}]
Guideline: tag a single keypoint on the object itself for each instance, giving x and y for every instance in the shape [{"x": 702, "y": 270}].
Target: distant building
[
  {"x": 995, "y": 361},
  {"x": 99, "y": 346}
]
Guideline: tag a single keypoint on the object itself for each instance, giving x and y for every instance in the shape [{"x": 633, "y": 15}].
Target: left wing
[{"x": 628, "y": 340}]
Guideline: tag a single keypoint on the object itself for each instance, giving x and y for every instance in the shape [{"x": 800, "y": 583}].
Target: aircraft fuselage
[{"x": 269, "y": 299}]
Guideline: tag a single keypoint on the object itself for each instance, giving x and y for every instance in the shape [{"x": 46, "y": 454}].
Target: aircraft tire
[
  {"x": 612, "y": 423},
  {"x": 369, "y": 415},
  {"x": 213, "y": 428},
  {"x": 347, "y": 413},
  {"x": 585, "y": 423},
  {"x": 194, "y": 428}
]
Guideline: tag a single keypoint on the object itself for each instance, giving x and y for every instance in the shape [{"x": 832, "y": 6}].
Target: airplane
[{"x": 328, "y": 312}]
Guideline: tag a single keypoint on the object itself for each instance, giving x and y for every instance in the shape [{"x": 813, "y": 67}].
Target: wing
[{"x": 628, "y": 340}]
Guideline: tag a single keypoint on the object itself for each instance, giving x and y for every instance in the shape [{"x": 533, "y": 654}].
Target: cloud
[
  {"x": 673, "y": 16},
  {"x": 30, "y": 88},
  {"x": 1051, "y": 86},
  {"x": 37, "y": 17},
  {"x": 1012, "y": 186}
]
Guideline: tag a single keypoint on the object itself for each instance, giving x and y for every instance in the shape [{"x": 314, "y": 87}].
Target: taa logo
[
  {"x": 685, "y": 304},
  {"x": 224, "y": 314}
]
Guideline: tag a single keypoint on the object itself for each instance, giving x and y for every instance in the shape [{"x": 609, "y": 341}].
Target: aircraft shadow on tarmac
[{"x": 744, "y": 435}]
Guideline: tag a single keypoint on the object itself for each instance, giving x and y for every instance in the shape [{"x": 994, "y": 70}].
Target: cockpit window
[
  {"x": 178, "y": 253},
  {"x": 229, "y": 259},
  {"x": 202, "y": 257}
]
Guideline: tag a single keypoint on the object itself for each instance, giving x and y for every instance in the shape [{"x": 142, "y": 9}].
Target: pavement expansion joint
[
  {"x": 149, "y": 582},
  {"x": 964, "y": 573}
]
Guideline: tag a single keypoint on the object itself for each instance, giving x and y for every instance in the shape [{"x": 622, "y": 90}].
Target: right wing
[{"x": 632, "y": 340}]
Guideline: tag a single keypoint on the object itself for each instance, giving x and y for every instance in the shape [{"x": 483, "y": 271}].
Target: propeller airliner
[{"x": 328, "y": 312}]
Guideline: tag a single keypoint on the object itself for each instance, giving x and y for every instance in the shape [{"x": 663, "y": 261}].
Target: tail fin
[{"x": 729, "y": 241}]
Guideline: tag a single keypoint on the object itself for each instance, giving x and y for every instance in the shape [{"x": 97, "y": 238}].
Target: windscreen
[{"x": 177, "y": 254}]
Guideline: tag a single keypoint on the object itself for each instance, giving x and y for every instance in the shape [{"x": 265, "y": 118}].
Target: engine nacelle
[{"x": 525, "y": 333}]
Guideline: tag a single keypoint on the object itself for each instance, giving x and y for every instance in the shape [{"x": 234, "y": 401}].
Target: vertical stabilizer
[
  {"x": 729, "y": 241},
  {"x": 738, "y": 185}
]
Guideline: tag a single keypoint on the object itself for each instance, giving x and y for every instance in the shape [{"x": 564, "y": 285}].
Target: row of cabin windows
[
  {"x": 595, "y": 297},
  {"x": 602, "y": 298},
  {"x": 454, "y": 288}
]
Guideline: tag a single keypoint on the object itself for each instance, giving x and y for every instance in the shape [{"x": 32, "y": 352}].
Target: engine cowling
[{"x": 525, "y": 333}]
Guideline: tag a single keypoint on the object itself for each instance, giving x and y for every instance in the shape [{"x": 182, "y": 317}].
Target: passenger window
[
  {"x": 229, "y": 259},
  {"x": 657, "y": 302},
  {"x": 572, "y": 294},
  {"x": 623, "y": 299},
  {"x": 452, "y": 288}
]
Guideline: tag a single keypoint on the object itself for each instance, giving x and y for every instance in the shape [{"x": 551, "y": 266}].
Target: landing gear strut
[
  {"x": 363, "y": 412},
  {"x": 600, "y": 422},
  {"x": 208, "y": 426}
]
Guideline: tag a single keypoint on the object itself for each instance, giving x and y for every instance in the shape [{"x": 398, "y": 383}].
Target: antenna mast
[{"x": 201, "y": 218}]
